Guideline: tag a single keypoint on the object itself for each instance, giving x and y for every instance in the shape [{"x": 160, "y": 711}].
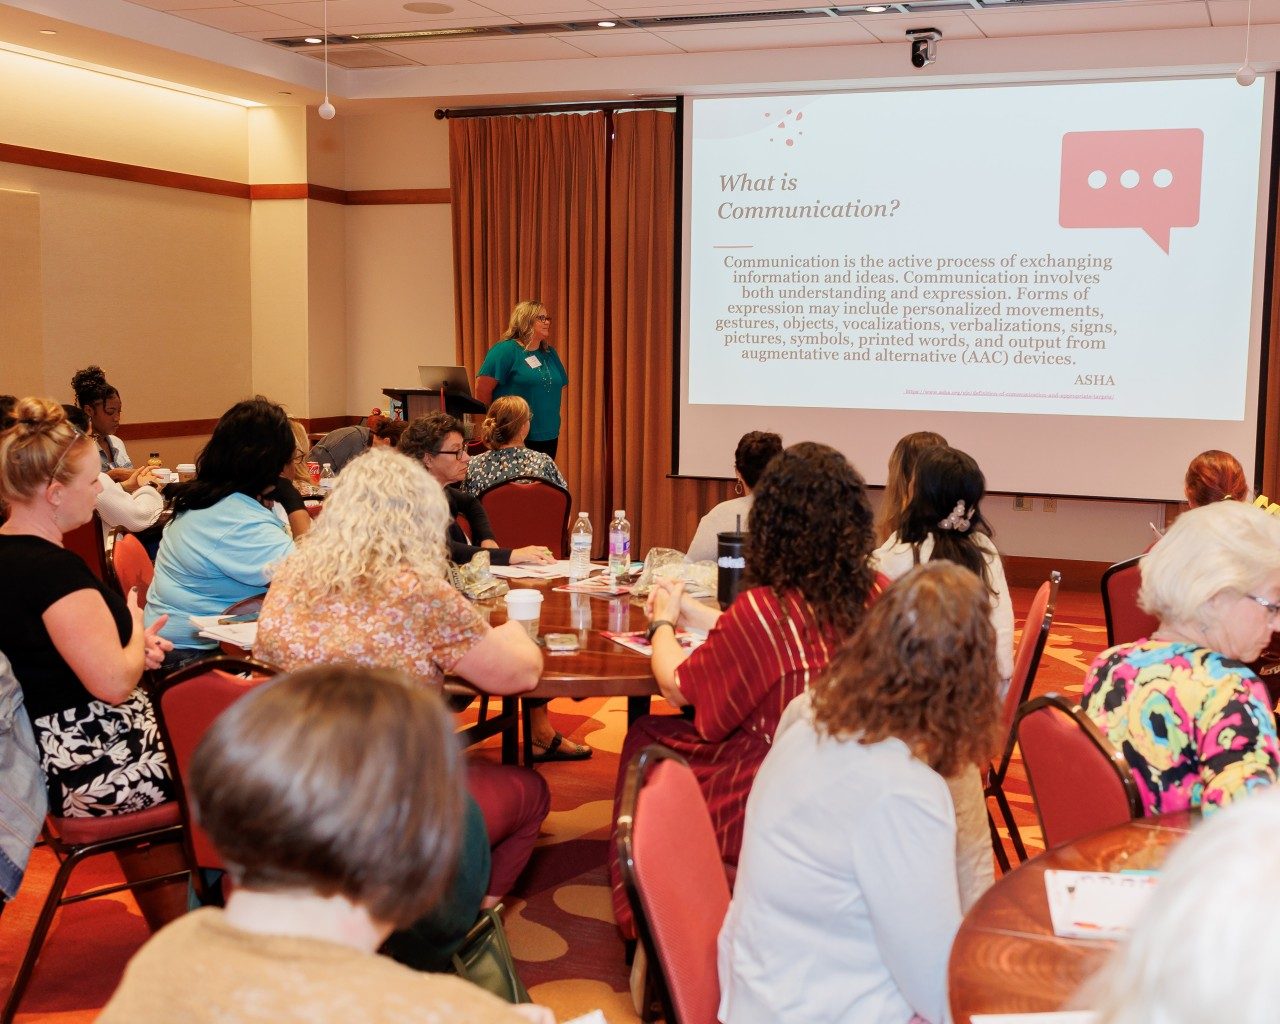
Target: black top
[
  {"x": 468, "y": 506},
  {"x": 38, "y": 574}
]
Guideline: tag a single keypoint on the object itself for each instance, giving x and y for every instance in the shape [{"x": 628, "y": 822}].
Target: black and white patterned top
[{"x": 489, "y": 469}]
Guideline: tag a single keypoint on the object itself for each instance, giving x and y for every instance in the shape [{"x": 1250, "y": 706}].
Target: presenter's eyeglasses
[
  {"x": 543, "y": 318},
  {"x": 457, "y": 453}
]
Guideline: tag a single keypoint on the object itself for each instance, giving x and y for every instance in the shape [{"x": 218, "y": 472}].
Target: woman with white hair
[
  {"x": 367, "y": 585},
  {"x": 1182, "y": 965},
  {"x": 1189, "y": 717}
]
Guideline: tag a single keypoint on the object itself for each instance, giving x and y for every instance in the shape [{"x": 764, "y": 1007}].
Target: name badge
[{"x": 533, "y": 361}]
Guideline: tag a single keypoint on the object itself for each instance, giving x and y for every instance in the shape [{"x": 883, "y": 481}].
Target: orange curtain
[
  {"x": 528, "y": 203},
  {"x": 642, "y": 225}
]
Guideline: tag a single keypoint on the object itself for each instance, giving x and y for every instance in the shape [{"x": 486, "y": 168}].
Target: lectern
[{"x": 442, "y": 387}]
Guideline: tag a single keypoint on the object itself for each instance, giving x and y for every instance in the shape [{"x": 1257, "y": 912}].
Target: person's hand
[
  {"x": 156, "y": 645},
  {"x": 665, "y": 600},
  {"x": 136, "y": 478},
  {"x": 534, "y": 554},
  {"x": 535, "y": 1014}
]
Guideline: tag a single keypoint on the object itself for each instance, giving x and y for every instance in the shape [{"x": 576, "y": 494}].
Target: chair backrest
[
  {"x": 1035, "y": 634},
  {"x": 130, "y": 566},
  {"x": 1078, "y": 780},
  {"x": 529, "y": 511},
  {"x": 1126, "y": 622},
  {"x": 674, "y": 880},
  {"x": 189, "y": 700},
  {"x": 87, "y": 541}
]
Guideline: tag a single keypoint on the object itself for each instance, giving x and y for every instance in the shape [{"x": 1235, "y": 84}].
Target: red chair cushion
[{"x": 81, "y": 831}]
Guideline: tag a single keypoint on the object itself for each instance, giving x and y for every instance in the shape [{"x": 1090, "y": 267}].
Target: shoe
[{"x": 560, "y": 749}]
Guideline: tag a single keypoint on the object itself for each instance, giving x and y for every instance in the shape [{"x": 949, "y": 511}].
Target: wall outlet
[
  {"x": 1051, "y": 504},
  {"x": 1021, "y": 503}
]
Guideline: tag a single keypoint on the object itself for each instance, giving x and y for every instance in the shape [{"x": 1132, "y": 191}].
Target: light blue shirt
[{"x": 210, "y": 558}]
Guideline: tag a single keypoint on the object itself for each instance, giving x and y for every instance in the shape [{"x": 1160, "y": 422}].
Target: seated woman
[
  {"x": 223, "y": 540},
  {"x": 134, "y": 505},
  {"x": 77, "y": 649},
  {"x": 335, "y": 798},
  {"x": 504, "y": 430},
  {"x": 803, "y": 594},
  {"x": 368, "y": 585},
  {"x": 897, "y": 488},
  {"x": 101, "y": 403},
  {"x": 436, "y": 441},
  {"x": 753, "y": 453},
  {"x": 848, "y": 865},
  {"x": 1191, "y": 720},
  {"x": 1215, "y": 476}
]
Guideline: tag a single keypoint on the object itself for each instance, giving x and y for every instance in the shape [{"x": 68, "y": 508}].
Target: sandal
[{"x": 560, "y": 749}]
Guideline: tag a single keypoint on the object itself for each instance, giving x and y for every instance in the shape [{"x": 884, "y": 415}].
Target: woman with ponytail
[{"x": 504, "y": 432}]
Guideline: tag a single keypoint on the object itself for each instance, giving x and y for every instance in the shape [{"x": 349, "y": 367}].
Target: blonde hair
[
  {"x": 385, "y": 516},
  {"x": 302, "y": 445},
  {"x": 522, "y": 318},
  {"x": 1224, "y": 546},
  {"x": 37, "y": 449},
  {"x": 507, "y": 417},
  {"x": 1205, "y": 947}
]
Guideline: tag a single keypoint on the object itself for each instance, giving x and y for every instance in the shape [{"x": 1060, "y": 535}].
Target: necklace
[{"x": 544, "y": 371}]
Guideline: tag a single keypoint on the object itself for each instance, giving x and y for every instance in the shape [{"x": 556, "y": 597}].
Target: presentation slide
[{"x": 1065, "y": 279}]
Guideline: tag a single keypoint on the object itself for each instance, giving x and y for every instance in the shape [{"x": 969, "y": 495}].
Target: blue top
[
  {"x": 210, "y": 558},
  {"x": 540, "y": 386}
]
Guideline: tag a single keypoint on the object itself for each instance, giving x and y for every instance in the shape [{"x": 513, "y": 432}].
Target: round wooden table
[{"x": 1006, "y": 958}]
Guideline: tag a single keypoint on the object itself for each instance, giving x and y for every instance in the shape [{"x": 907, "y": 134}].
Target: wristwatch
[{"x": 655, "y": 625}]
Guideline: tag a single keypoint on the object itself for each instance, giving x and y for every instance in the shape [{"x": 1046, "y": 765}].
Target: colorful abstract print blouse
[{"x": 1193, "y": 725}]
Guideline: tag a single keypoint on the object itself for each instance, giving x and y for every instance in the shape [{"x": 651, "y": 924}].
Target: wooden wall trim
[
  {"x": 189, "y": 428},
  {"x": 1077, "y": 574},
  {"x": 73, "y": 164}
]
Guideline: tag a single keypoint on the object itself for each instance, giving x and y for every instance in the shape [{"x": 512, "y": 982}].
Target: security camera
[{"x": 924, "y": 46}]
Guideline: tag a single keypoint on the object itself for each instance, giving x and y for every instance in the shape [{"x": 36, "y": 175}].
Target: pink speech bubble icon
[{"x": 1146, "y": 179}]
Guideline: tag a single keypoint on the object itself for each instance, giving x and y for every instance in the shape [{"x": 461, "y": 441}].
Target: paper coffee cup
[
  {"x": 186, "y": 471},
  {"x": 525, "y": 606}
]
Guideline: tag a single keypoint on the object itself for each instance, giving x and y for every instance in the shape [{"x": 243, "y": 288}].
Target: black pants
[{"x": 546, "y": 447}]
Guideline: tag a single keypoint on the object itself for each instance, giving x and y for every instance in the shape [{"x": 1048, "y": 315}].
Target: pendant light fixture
[
  {"x": 327, "y": 109},
  {"x": 1247, "y": 74}
]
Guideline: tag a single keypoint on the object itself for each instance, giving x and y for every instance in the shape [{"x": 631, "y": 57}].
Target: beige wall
[{"x": 21, "y": 323}]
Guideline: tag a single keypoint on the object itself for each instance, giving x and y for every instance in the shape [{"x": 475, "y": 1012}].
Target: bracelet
[{"x": 657, "y": 624}]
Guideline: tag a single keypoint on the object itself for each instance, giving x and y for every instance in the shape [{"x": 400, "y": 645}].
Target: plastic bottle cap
[{"x": 619, "y": 513}]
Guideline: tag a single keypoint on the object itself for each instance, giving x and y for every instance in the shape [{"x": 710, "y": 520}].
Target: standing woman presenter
[{"x": 524, "y": 364}]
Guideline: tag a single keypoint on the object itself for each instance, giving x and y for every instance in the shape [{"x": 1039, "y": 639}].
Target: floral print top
[
  {"x": 1193, "y": 725},
  {"x": 489, "y": 469},
  {"x": 423, "y": 628}
]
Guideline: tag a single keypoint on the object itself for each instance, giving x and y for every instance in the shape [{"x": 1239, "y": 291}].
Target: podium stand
[{"x": 419, "y": 401}]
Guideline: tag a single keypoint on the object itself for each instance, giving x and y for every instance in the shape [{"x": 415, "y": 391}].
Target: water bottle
[
  {"x": 580, "y": 548},
  {"x": 619, "y": 544},
  {"x": 326, "y": 477}
]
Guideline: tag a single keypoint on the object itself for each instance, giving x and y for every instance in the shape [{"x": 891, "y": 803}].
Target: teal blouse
[{"x": 540, "y": 386}]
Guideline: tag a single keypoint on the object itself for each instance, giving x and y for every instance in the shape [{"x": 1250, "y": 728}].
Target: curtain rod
[{"x": 448, "y": 113}]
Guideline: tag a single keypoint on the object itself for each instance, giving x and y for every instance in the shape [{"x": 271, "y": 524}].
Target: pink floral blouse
[{"x": 423, "y": 628}]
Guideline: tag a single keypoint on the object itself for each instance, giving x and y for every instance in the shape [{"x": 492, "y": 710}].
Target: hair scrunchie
[{"x": 959, "y": 519}]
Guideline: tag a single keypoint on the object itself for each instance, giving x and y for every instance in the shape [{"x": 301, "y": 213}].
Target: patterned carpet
[{"x": 559, "y": 920}]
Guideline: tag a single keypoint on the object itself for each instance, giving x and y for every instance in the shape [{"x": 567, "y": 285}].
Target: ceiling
[{"x": 224, "y": 43}]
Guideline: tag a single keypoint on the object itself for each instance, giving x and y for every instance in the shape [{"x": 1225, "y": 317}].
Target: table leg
[
  {"x": 637, "y": 706},
  {"x": 510, "y": 736},
  {"x": 526, "y": 732}
]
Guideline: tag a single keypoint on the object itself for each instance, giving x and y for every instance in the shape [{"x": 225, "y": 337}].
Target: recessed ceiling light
[
  {"x": 876, "y": 9},
  {"x": 314, "y": 40},
  {"x": 48, "y": 31},
  {"x": 607, "y": 24},
  {"x": 428, "y": 8}
]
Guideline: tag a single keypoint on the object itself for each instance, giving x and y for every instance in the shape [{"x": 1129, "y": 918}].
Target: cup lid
[{"x": 186, "y": 467}]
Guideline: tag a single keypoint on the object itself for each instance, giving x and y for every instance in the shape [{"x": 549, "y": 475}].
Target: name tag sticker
[{"x": 533, "y": 361}]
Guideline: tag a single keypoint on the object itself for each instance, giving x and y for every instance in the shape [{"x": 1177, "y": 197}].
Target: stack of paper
[
  {"x": 241, "y": 634},
  {"x": 554, "y": 571},
  {"x": 1097, "y": 904}
]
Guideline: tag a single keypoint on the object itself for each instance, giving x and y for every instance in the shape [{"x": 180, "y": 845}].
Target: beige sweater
[{"x": 201, "y": 970}]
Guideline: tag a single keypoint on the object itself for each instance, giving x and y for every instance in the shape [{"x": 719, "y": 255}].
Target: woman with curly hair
[
  {"x": 101, "y": 403},
  {"x": 848, "y": 865},
  {"x": 807, "y": 582},
  {"x": 897, "y": 488},
  {"x": 367, "y": 585}
]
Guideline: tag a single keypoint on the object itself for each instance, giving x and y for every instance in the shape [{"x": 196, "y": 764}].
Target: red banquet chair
[
  {"x": 1078, "y": 780},
  {"x": 1126, "y": 622},
  {"x": 674, "y": 880},
  {"x": 529, "y": 511},
  {"x": 88, "y": 542},
  {"x": 130, "y": 566},
  {"x": 1035, "y": 634},
  {"x": 189, "y": 700}
]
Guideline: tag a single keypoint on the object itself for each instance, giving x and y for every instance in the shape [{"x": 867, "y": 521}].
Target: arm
[
  {"x": 666, "y": 654},
  {"x": 84, "y": 632},
  {"x": 133, "y": 512},
  {"x": 469, "y": 507},
  {"x": 484, "y": 389},
  {"x": 690, "y": 613},
  {"x": 505, "y": 662},
  {"x": 904, "y": 859},
  {"x": 247, "y": 552},
  {"x": 294, "y": 507}
]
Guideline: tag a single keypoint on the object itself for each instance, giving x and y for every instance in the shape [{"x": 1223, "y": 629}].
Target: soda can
[{"x": 314, "y": 469}]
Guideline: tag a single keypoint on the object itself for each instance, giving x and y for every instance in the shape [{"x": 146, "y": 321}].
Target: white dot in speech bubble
[
  {"x": 1163, "y": 178},
  {"x": 1097, "y": 179},
  {"x": 1129, "y": 179}
]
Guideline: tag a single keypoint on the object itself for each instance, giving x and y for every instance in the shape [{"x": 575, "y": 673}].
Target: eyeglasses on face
[
  {"x": 457, "y": 453},
  {"x": 543, "y": 318},
  {"x": 1272, "y": 607}
]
